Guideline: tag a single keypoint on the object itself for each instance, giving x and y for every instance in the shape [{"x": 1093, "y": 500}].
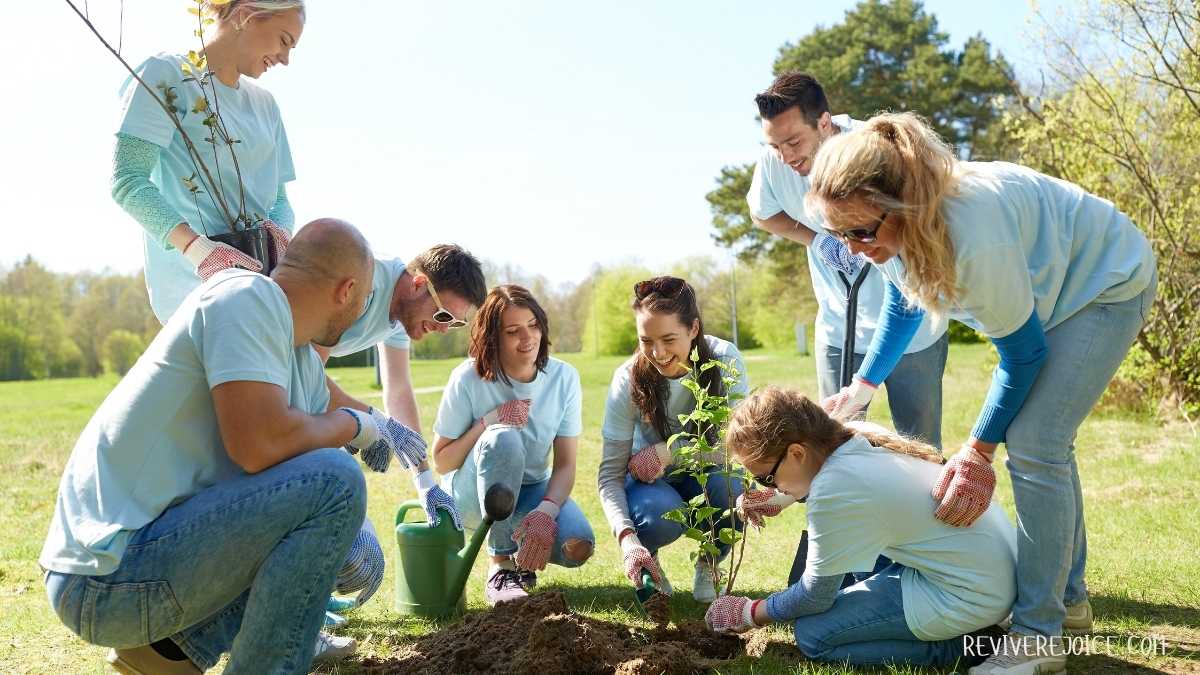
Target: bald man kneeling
[{"x": 208, "y": 506}]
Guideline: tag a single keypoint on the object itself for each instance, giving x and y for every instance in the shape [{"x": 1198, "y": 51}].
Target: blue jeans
[
  {"x": 649, "y": 501},
  {"x": 245, "y": 566},
  {"x": 914, "y": 387},
  {"x": 866, "y": 626},
  {"x": 1083, "y": 354},
  {"x": 499, "y": 458}
]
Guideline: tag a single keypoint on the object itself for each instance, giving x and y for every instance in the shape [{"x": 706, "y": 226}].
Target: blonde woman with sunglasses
[{"x": 1058, "y": 279}]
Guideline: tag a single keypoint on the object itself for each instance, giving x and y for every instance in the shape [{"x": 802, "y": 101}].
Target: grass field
[{"x": 1141, "y": 483}]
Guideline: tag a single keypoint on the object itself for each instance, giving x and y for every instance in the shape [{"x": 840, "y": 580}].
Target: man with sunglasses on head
[
  {"x": 795, "y": 121},
  {"x": 431, "y": 294}
]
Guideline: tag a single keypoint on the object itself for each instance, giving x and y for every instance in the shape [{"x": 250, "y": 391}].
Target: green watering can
[{"x": 433, "y": 562}]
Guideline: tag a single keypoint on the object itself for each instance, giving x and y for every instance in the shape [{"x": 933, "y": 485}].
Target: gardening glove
[
  {"x": 850, "y": 400},
  {"x": 514, "y": 413},
  {"x": 210, "y": 257},
  {"x": 535, "y": 535},
  {"x": 636, "y": 558},
  {"x": 964, "y": 488},
  {"x": 754, "y": 506},
  {"x": 379, "y": 436},
  {"x": 649, "y": 463},
  {"x": 362, "y": 572},
  {"x": 279, "y": 239},
  {"x": 434, "y": 498},
  {"x": 731, "y": 614}
]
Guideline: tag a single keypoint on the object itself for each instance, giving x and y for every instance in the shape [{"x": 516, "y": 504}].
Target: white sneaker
[
  {"x": 703, "y": 589},
  {"x": 665, "y": 586},
  {"x": 333, "y": 648},
  {"x": 1079, "y": 619},
  {"x": 1025, "y": 655}
]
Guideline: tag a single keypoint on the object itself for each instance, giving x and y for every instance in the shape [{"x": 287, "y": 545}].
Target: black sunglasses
[
  {"x": 863, "y": 235},
  {"x": 666, "y": 286},
  {"x": 769, "y": 479}
]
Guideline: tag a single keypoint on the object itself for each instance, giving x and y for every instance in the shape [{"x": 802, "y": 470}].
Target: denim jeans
[
  {"x": 499, "y": 458},
  {"x": 866, "y": 626},
  {"x": 914, "y": 388},
  {"x": 1083, "y": 354},
  {"x": 245, "y": 566},
  {"x": 649, "y": 501}
]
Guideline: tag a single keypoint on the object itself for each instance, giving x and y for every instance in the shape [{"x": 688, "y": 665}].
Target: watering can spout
[{"x": 498, "y": 504}]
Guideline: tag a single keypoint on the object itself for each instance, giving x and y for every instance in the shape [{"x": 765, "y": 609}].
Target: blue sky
[{"x": 550, "y": 135}]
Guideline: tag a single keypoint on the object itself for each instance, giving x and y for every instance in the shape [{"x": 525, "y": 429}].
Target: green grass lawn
[{"x": 1140, "y": 487}]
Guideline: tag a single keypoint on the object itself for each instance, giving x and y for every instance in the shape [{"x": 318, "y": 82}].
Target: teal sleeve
[
  {"x": 1021, "y": 357},
  {"x": 281, "y": 212},
  {"x": 810, "y": 595},
  {"x": 133, "y": 160},
  {"x": 898, "y": 323}
]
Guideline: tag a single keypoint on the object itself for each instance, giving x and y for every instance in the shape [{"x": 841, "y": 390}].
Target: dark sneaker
[{"x": 507, "y": 584}]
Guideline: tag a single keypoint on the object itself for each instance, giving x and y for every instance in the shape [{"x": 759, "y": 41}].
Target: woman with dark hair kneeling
[
  {"x": 868, "y": 495},
  {"x": 503, "y": 411},
  {"x": 644, "y": 403}
]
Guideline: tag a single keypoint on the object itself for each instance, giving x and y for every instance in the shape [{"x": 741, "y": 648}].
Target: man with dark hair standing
[{"x": 795, "y": 121}]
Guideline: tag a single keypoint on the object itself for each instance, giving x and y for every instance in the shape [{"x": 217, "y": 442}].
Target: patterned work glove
[
  {"x": 850, "y": 400},
  {"x": 379, "y": 436},
  {"x": 964, "y": 488},
  {"x": 362, "y": 572},
  {"x": 755, "y": 506},
  {"x": 649, "y": 463},
  {"x": 731, "y": 614},
  {"x": 636, "y": 558},
  {"x": 514, "y": 413},
  {"x": 535, "y": 536},
  {"x": 434, "y": 498},
  {"x": 279, "y": 239},
  {"x": 210, "y": 257}
]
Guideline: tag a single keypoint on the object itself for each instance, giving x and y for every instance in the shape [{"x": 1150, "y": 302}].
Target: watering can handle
[{"x": 406, "y": 507}]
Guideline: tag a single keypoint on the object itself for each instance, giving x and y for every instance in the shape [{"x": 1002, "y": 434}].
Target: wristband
[
  {"x": 357, "y": 422},
  {"x": 191, "y": 241}
]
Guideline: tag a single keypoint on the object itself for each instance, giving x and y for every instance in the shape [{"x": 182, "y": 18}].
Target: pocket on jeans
[{"x": 129, "y": 614}]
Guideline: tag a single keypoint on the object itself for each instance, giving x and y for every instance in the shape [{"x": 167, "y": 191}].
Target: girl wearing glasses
[
  {"x": 644, "y": 403},
  {"x": 868, "y": 495},
  {"x": 510, "y": 415},
  {"x": 1058, "y": 279}
]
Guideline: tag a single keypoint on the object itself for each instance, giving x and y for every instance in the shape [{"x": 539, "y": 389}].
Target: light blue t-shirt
[
  {"x": 777, "y": 187},
  {"x": 623, "y": 421},
  {"x": 264, "y": 159},
  {"x": 556, "y": 410},
  {"x": 1025, "y": 241},
  {"x": 154, "y": 441},
  {"x": 375, "y": 325},
  {"x": 866, "y": 501}
]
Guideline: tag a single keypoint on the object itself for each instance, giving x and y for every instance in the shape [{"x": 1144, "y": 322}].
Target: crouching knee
[{"x": 577, "y": 551}]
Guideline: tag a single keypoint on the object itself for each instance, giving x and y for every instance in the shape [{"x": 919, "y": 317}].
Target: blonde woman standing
[{"x": 1058, "y": 279}]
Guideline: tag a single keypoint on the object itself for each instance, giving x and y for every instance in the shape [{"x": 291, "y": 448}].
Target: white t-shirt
[
  {"x": 866, "y": 501},
  {"x": 556, "y": 409},
  {"x": 775, "y": 187},
  {"x": 154, "y": 441},
  {"x": 1024, "y": 240}
]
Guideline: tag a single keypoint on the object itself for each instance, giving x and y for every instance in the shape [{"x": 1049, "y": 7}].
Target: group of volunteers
[{"x": 212, "y": 505}]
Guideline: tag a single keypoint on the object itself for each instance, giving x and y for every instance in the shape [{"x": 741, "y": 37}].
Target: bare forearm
[
  {"x": 338, "y": 398},
  {"x": 562, "y": 477},
  {"x": 399, "y": 399},
  {"x": 401, "y": 404},
  {"x": 291, "y": 434},
  {"x": 785, "y": 226},
  {"x": 449, "y": 454}
]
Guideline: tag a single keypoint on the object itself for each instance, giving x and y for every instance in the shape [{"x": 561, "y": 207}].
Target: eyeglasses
[
  {"x": 863, "y": 235},
  {"x": 769, "y": 479},
  {"x": 443, "y": 315},
  {"x": 667, "y": 286}
]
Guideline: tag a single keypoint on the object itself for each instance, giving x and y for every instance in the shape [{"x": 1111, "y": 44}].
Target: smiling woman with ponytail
[
  {"x": 644, "y": 403},
  {"x": 1057, "y": 278}
]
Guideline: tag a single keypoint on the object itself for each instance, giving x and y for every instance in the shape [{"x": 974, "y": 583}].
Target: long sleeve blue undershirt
[
  {"x": 898, "y": 323},
  {"x": 133, "y": 161},
  {"x": 810, "y": 595},
  {"x": 1022, "y": 354}
]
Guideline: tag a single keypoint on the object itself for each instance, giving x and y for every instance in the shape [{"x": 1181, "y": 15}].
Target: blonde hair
[
  {"x": 898, "y": 163},
  {"x": 772, "y": 418},
  {"x": 229, "y": 10}
]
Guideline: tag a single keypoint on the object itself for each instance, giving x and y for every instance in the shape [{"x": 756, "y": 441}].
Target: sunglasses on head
[
  {"x": 443, "y": 315},
  {"x": 862, "y": 235},
  {"x": 769, "y": 479},
  {"x": 665, "y": 286}
]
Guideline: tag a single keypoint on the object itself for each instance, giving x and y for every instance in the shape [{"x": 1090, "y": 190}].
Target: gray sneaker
[
  {"x": 333, "y": 648},
  {"x": 1079, "y": 619},
  {"x": 1021, "y": 654}
]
